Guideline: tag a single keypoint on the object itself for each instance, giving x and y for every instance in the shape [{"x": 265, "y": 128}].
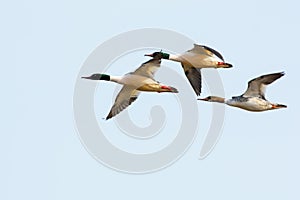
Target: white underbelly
[{"x": 253, "y": 104}]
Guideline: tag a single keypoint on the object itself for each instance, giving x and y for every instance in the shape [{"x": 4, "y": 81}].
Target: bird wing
[
  {"x": 148, "y": 68},
  {"x": 201, "y": 49},
  {"x": 257, "y": 86},
  {"x": 126, "y": 96},
  {"x": 194, "y": 76}
]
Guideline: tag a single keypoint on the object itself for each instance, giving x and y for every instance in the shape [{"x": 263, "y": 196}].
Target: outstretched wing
[
  {"x": 194, "y": 76},
  {"x": 126, "y": 96},
  {"x": 201, "y": 49},
  {"x": 257, "y": 86},
  {"x": 148, "y": 68}
]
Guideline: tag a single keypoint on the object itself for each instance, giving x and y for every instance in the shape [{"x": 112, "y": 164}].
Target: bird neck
[
  {"x": 165, "y": 56},
  {"x": 104, "y": 77},
  {"x": 116, "y": 79},
  {"x": 176, "y": 58},
  {"x": 219, "y": 100}
]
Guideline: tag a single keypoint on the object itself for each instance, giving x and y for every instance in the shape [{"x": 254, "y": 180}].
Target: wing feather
[
  {"x": 257, "y": 86},
  {"x": 202, "y": 49},
  {"x": 148, "y": 68},
  {"x": 126, "y": 96},
  {"x": 194, "y": 76}
]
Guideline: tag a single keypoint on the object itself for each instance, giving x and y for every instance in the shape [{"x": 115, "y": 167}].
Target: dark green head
[
  {"x": 159, "y": 55},
  {"x": 98, "y": 77}
]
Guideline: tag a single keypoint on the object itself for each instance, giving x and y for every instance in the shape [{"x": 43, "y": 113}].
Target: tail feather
[
  {"x": 164, "y": 88},
  {"x": 174, "y": 90},
  {"x": 275, "y": 106},
  {"x": 282, "y": 106}
]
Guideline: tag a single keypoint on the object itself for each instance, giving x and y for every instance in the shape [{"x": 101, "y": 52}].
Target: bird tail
[
  {"x": 165, "y": 88},
  {"x": 276, "y": 106},
  {"x": 174, "y": 90}
]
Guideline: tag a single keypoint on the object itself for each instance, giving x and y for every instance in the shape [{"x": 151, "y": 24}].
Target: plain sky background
[{"x": 43, "y": 45}]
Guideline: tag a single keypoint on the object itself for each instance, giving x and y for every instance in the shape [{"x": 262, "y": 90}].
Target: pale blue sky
[{"x": 43, "y": 45}]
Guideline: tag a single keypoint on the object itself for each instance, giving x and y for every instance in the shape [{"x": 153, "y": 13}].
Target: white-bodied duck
[
  {"x": 139, "y": 80},
  {"x": 254, "y": 97},
  {"x": 194, "y": 60}
]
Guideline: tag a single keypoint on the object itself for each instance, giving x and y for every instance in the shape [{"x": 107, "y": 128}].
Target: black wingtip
[
  {"x": 194, "y": 77},
  {"x": 280, "y": 74},
  {"x": 218, "y": 54},
  {"x": 109, "y": 116}
]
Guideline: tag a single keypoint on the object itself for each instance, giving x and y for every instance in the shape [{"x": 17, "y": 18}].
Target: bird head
[
  {"x": 158, "y": 55},
  {"x": 98, "y": 77}
]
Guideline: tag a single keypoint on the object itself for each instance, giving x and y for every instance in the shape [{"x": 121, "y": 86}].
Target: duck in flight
[
  {"x": 193, "y": 60},
  {"x": 254, "y": 97},
  {"x": 134, "y": 82}
]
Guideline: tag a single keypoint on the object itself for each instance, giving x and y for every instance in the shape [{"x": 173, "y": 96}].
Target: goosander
[
  {"x": 134, "y": 82},
  {"x": 254, "y": 97},
  {"x": 194, "y": 60}
]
